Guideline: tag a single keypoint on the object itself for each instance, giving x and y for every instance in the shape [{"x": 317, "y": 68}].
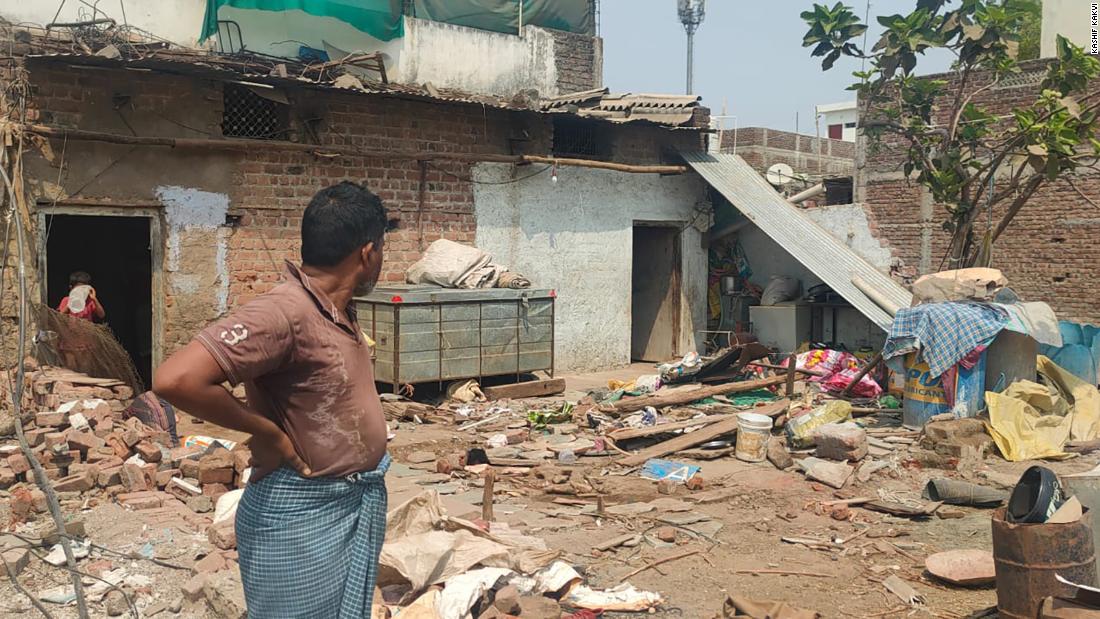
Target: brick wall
[
  {"x": 268, "y": 189},
  {"x": 806, "y": 154},
  {"x": 1052, "y": 249},
  {"x": 579, "y": 61}
]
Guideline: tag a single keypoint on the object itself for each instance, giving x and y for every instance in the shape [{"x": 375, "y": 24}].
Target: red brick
[
  {"x": 79, "y": 482},
  {"x": 18, "y": 464},
  {"x": 7, "y": 477},
  {"x": 133, "y": 478},
  {"x": 223, "y": 535},
  {"x": 56, "y": 442},
  {"x": 83, "y": 441},
  {"x": 164, "y": 476},
  {"x": 193, "y": 589},
  {"x": 50, "y": 419},
  {"x": 109, "y": 476},
  {"x": 209, "y": 564},
  {"x": 148, "y": 452}
]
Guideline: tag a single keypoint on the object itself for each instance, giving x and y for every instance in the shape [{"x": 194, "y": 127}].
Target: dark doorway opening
[
  {"x": 655, "y": 293},
  {"x": 117, "y": 253}
]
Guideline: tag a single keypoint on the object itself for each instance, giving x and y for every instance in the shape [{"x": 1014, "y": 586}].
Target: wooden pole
[
  {"x": 233, "y": 144},
  {"x": 686, "y": 397},
  {"x": 791, "y": 373},
  {"x": 487, "y": 497}
]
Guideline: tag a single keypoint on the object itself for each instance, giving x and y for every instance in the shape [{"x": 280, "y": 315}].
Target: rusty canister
[{"x": 1027, "y": 557}]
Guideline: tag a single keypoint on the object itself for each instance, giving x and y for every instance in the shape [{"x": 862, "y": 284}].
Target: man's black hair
[
  {"x": 338, "y": 221},
  {"x": 80, "y": 278}
]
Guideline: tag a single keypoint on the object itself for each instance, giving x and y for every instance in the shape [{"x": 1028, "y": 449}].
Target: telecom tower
[{"x": 691, "y": 15}]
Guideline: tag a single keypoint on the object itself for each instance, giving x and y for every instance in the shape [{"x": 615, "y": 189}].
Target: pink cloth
[{"x": 950, "y": 375}]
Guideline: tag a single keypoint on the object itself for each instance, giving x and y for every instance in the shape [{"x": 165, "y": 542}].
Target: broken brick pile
[{"x": 84, "y": 445}]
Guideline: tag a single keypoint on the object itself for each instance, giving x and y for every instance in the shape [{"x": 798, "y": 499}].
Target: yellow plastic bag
[
  {"x": 1031, "y": 421},
  {"x": 800, "y": 429}
]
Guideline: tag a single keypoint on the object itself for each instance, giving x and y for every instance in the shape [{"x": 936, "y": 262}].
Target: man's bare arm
[{"x": 192, "y": 381}]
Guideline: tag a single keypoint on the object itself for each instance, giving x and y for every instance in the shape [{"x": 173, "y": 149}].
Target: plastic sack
[
  {"x": 800, "y": 429},
  {"x": 780, "y": 289}
]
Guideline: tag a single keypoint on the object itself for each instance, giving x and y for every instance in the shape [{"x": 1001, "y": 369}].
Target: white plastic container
[{"x": 753, "y": 432}]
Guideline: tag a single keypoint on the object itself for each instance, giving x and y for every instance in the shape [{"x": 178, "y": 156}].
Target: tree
[{"x": 971, "y": 160}]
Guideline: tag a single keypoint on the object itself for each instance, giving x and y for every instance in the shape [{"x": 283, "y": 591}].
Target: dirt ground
[{"x": 734, "y": 526}]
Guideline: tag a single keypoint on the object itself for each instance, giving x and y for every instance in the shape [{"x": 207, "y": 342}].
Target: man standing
[{"x": 312, "y": 519}]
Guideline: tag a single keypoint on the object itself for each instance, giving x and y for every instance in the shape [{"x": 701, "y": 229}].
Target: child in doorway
[{"x": 82, "y": 301}]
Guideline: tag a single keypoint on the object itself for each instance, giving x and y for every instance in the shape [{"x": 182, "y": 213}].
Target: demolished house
[{"x": 812, "y": 432}]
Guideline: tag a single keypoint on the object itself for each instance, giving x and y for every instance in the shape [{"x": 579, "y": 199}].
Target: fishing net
[{"x": 83, "y": 346}]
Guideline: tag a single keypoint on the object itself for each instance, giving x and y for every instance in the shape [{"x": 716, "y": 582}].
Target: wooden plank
[
  {"x": 626, "y": 434},
  {"x": 530, "y": 389},
  {"x": 703, "y": 435},
  {"x": 687, "y": 397}
]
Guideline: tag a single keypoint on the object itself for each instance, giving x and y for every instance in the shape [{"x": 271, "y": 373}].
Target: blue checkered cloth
[
  {"x": 944, "y": 333},
  {"x": 309, "y": 547}
]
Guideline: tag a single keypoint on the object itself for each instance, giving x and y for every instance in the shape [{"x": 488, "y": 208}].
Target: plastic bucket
[{"x": 753, "y": 432}]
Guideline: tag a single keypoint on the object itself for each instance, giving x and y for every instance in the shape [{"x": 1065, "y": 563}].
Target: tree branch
[{"x": 1016, "y": 205}]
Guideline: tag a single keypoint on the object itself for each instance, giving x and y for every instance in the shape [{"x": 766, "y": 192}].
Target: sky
[{"x": 748, "y": 57}]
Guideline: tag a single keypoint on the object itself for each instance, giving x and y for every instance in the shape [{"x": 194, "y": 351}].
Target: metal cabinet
[{"x": 432, "y": 334}]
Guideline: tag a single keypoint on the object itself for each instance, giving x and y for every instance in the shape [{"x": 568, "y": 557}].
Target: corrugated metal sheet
[
  {"x": 818, "y": 250},
  {"x": 671, "y": 110}
]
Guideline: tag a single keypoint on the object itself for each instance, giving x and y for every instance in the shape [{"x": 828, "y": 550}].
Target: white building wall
[
  {"x": 179, "y": 21},
  {"x": 576, "y": 235},
  {"x": 1069, "y": 18},
  {"x": 444, "y": 55},
  {"x": 839, "y": 114}
]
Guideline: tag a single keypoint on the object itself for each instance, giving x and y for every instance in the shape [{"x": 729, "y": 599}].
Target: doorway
[
  {"x": 117, "y": 252},
  {"x": 655, "y": 292}
]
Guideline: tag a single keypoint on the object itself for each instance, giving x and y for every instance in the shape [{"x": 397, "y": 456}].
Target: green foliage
[{"x": 955, "y": 147}]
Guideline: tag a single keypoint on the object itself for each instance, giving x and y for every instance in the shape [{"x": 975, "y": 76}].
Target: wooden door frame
[
  {"x": 676, "y": 283},
  {"x": 151, "y": 211}
]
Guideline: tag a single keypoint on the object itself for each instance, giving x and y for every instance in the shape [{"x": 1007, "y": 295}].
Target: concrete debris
[{"x": 833, "y": 474}]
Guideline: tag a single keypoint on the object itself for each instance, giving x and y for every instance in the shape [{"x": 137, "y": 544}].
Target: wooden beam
[
  {"x": 626, "y": 434},
  {"x": 235, "y": 144},
  {"x": 530, "y": 389},
  {"x": 687, "y": 397},
  {"x": 703, "y": 435}
]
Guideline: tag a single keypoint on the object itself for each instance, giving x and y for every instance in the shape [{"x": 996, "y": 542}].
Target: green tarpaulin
[
  {"x": 379, "y": 18},
  {"x": 503, "y": 15}
]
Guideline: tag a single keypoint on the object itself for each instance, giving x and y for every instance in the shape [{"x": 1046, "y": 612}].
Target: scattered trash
[
  {"x": 465, "y": 391},
  {"x": 1030, "y": 421},
  {"x": 623, "y": 598},
  {"x": 661, "y": 470},
  {"x": 196, "y": 440},
  {"x": 965, "y": 568},
  {"x": 80, "y": 550},
  {"x": 905, "y": 593},
  {"x": 539, "y": 419},
  {"x": 1036, "y": 497},
  {"x": 956, "y": 492},
  {"x": 800, "y": 429},
  {"x": 740, "y": 607}
]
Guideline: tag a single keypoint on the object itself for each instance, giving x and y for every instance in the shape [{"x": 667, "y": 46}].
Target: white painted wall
[
  {"x": 575, "y": 236},
  {"x": 843, "y": 114},
  {"x": 447, "y": 56},
  {"x": 849, "y": 224},
  {"x": 179, "y": 21},
  {"x": 477, "y": 60},
  {"x": 1069, "y": 18}
]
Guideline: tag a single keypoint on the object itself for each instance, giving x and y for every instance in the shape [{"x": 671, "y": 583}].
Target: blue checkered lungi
[{"x": 309, "y": 547}]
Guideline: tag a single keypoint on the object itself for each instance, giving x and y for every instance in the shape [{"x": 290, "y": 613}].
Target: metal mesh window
[
  {"x": 579, "y": 138},
  {"x": 248, "y": 115}
]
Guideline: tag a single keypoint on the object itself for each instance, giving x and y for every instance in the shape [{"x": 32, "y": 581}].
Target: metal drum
[{"x": 1027, "y": 557}]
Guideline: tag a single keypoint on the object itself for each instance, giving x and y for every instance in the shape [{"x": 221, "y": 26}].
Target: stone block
[
  {"x": 225, "y": 594},
  {"x": 841, "y": 441}
]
